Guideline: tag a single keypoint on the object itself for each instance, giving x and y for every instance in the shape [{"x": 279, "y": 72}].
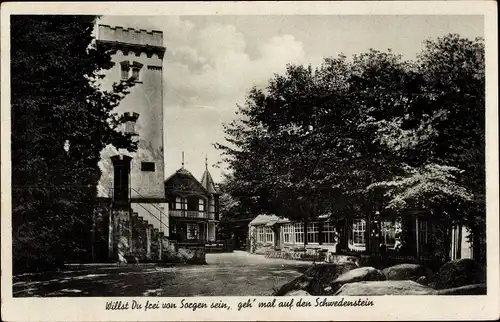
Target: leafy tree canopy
[
  {"x": 57, "y": 103},
  {"x": 372, "y": 132}
]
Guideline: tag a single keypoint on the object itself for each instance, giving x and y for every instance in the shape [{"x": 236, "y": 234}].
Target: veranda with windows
[{"x": 353, "y": 236}]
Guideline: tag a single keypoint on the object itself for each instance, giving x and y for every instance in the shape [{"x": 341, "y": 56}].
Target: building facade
[
  {"x": 193, "y": 207},
  {"x": 408, "y": 235},
  {"x": 132, "y": 218}
]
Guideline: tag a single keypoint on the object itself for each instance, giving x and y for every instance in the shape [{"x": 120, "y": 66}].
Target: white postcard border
[{"x": 385, "y": 308}]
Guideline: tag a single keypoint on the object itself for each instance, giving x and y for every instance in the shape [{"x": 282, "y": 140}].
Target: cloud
[
  {"x": 216, "y": 70},
  {"x": 209, "y": 65},
  {"x": 218, "y": 40},
  {"x": 207, "y": 71}
]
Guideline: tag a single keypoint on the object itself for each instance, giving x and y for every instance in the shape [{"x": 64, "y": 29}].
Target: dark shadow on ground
[{"x": 228, "y": 279}]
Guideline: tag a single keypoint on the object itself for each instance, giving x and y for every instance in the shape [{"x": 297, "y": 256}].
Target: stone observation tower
[{"x": 133, "y": 211}]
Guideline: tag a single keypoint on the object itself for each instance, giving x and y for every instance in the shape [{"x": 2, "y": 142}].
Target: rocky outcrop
[
  {"x": 405, "y": 288},
  {"x": 459, "y": 273},
  {"x": 424, "y": 280},
  {"x": 475, "y": 289},
  {"x": 403, "y": 272},
  {"x": 458, "y": 277},
  {"x": 297, "y": 293},
  {"x": 316, "y": 279},
  {"x": 186, "y": 255},
  {"x": 385, "y": 288},
  {"x": 360, "y": 274}
]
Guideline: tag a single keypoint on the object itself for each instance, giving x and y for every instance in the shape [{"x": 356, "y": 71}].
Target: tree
[
  {"x": 61, "y": 121},
  {"x": 308, "y": 142},
  {"x": 374, "y": 133},
  {"x": 276, "y": 168},
  {"x": 444, "y": 149}
]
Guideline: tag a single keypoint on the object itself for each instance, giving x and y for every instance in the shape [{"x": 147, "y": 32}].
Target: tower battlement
[
  {"x": 131, "y": 35},
  {"x": 131, "y": 40}
]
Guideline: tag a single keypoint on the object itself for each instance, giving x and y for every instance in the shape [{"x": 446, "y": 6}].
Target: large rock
[
  {"x": 358, "y": 275},
  {"x": 186, "y": 255},
  {"x": 476, "y": 289},
  {"x": 316, "y": 279},
  {"x": 424, "y": 280},
  {"x": 404, "y": 272},
  {"x": 385, "y": 288},
  {"x": 297, "y": 293},
  {"x": 458, "y": 273}
]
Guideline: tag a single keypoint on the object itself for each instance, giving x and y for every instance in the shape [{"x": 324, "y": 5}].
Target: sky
[{"x": 211, "y": 63}]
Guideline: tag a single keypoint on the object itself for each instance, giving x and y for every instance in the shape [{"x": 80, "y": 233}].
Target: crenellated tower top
[{"x": 132, "y": 40}]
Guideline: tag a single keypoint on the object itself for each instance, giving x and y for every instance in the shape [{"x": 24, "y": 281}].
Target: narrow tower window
[
  {"x": 136, "y": 69},
  {"x": 125, "y": 69},
  {"x": 130, "y": 121},
  {"x": 130, "y": 127},
  {"x": 135, "y": 73}
]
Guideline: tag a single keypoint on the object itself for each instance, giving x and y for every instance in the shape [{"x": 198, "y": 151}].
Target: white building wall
[{"x": 146, "y": 99}]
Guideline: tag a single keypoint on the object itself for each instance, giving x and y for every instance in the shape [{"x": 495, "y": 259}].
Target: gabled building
[{"x": 193, "y": 207}]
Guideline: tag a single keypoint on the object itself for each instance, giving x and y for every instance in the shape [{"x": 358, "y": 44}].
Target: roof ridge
[{"x": 187, "y": 174}]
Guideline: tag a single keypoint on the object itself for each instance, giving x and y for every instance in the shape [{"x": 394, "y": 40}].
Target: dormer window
[{"x": 130, "y": 121}]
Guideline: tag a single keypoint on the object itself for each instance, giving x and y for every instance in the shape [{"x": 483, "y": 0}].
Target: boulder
[
  {"x": 316, "y": 278},
  {"x": 358, "y": 275},
  {"x": 423, "y": 280},
  {"x": 299, "y": 283},
  {"x": 403, "y": 272},
  {"x": 385, "y": 288},
  {"x": 297, "y": 293},
  {"x": 476, "y": 289},
  {"x": 460, "y": 272}
]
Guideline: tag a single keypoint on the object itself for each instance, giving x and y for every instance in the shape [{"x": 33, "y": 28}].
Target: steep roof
[
  {"x": 207, "y": 182},
  {"x": 183, "y": 182}
]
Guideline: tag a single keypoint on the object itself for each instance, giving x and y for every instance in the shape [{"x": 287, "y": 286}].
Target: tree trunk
[
  {"x": 448, "y": 240},
  {"x": 368, "y": 227},
  {"x": 476, "y": 246},
  {"x": 459, "y": 242}
]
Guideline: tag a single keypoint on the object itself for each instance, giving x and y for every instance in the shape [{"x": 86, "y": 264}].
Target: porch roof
[
  {"x": 263, "y": 220},
  {"x": 270, "y": 220}
]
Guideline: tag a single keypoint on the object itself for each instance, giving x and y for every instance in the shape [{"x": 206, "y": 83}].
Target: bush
[{"x": 458, "y": 273}]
